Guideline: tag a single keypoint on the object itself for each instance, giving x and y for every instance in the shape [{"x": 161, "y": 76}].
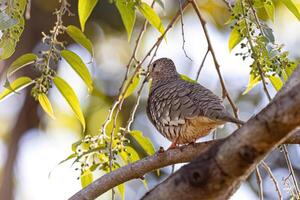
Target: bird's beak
[
  {"x": 149, "y": 74},
  {"x": 146, "y": 74}
]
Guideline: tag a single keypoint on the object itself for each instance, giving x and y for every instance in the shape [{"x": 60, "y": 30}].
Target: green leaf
[
  {"x": 130, "y": 156},
  {"x": 134, "y": 156},
  {"x": 270, "y": 9},
  {"x": 143, "y": 141},
  {"x": 127, "y": 12},
  {"x": 75, "y": 145},
  {"x": 234, "y": 39},
  {"x": 15, "y": 86},
  {"x": 21, "y": 62},
  {"x": 145, "y": 183},
  {"x": 253, "y": 81},
  {"x": 11, "y": 35},
  {"x": 79, "y": 67},
  {"x": 86, "y": 178},
  {"x": 70, "y": 96},
  {"x": 256, "y": 3},
  {"x": 85, "y": 8},
  {"x": 78, "y": 36},
  {"x": 6, "y": 21},
  {"x": 276, "y": 82},
  {"x": 73, "y": 155},
  {"x": 132, "y": 86},
  {"x": 292, "y": 7},
  {"x": 46, "y": 105},
  {"x": 186, "y": 78},
  {"x": 269, "y": 34},
  {"x": 289, "y": 70},
  {"x": 94, "y": 167},
  {"x": 284, "y": 76},
  {"x": 121, "y": 189},
  {"x": 151, "y": 16}
]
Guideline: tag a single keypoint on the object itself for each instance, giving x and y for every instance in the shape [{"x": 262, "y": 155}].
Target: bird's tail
[{"x": 232, "y": 119}]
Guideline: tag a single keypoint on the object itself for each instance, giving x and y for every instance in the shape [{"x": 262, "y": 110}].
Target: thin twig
[
  {"x": 28, "y": 9},
  {"x": 202, "y": 64},
  {"x": 182, "y": 31},
  {"x": 290, "y": 167},
  {"x": 255, "y": 54},
  {"x": 259, "y": 183},
  {"x": 268, "y": 169},
  {"x": 217, "y": 66}
]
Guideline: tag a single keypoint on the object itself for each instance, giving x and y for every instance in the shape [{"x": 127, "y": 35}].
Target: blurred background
[{"x": 32, "y": 144}]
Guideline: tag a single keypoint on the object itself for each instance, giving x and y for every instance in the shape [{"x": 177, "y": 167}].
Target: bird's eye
[{"x": 154, "y": 65}]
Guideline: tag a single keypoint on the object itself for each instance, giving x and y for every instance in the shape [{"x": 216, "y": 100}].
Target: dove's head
[{"x": 162, "y": 69}]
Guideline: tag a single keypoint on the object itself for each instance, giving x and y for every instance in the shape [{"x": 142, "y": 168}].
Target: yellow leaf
[
  {"x": 79, "y": 67},
  {"x": 21, "y": 62},
  {"x": 130, "y": 156},
  {"x": 276, "y": 82},
  {"x": 151, "y": 16},
  {"x": 85, "y": 8},
  {"x": 70, "y": 96},
  {"x": 15, "y": 86},
  {"x": 127, "y": 12},
  {"x": 270, "y": 9},
  {"x": 86, "y": 178},
  {"x": 132, "y": 86},
  {"x": 234, "y": 39},
  {"x": 79, "y": 37},
  {"x": 46, "y": 105},
  {"x": 143, "y": 141},
  {"x": 121, "y": 189},
  {"x": 252, "y": 83}
]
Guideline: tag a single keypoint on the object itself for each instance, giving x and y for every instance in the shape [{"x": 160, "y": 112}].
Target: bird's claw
[{"x": 161, "y": 150}]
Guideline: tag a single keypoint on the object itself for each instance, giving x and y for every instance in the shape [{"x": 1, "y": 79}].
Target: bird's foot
[
  {"x": 174, "y": 144},
  {"x": 161, "y": 150},
  {"x": 192, "y": 143}
]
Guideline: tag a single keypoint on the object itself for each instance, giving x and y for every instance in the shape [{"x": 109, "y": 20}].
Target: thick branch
[
  {"x": 151, "y": 163},
  {"x": 217, "y": 173},
  {"x": 141, "y": 167}
]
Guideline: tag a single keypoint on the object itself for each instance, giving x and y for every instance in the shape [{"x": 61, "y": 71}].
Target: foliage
[
  {"x": 85, "y": 8},
  {"x": 127, "y": 11},
  {"x": 12, "y": 26},
  {"x": 254, "y": 35}
]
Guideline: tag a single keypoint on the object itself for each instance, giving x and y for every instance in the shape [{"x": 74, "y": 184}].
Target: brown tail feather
[{"x": 232, "y": 119}]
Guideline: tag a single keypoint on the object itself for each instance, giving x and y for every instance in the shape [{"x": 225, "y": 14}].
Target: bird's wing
[
  {"x": 174, "y": 103},
  {"x": 209, "y": 104},
  {"x": 187, "y": 100},
  {"x": 164, "y": 106}
]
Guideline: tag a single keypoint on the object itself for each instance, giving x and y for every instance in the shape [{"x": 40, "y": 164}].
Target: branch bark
[{"x": 140, "y": 168}]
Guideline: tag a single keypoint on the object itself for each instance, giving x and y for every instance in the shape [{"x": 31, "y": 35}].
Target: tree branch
[{"x": 140, "y": 168}]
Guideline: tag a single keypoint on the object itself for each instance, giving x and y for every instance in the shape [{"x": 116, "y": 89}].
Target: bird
[{"x": 182, "y": 111}]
